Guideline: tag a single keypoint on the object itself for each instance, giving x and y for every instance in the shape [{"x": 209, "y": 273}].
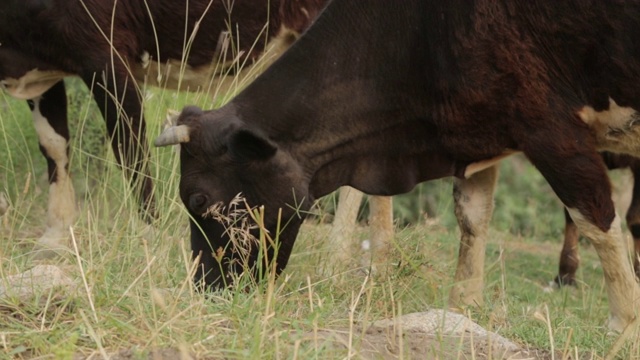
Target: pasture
[{"x": 134, "y": 298}]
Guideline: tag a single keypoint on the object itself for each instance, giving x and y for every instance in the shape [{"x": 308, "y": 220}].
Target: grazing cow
[
  {"x": 114, "y": 46},
  {"x": 381, "y": 95}
]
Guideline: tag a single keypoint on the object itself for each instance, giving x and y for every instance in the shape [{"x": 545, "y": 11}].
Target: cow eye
[{"x": 198, "y": 202}]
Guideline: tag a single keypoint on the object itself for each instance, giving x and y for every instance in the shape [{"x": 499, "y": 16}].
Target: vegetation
[{"x": 134, "y": 294}]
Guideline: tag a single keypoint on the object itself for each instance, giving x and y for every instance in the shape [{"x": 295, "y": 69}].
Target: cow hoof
[
  {"x": 51, "y": 245},
  {"x": 616, "y": 325},
  {"x": 565, "y": 280},
  {"x": 43, "y": 253}
]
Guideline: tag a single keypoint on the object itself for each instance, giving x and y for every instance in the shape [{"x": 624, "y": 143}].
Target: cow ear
[{"x": 246, "y": 144}]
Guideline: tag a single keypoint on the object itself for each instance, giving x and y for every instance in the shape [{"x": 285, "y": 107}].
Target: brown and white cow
[
  {"x": 114, "y": 47},
  {"x": 569, "y": 256},
  {"x": 382, "y": 95}
]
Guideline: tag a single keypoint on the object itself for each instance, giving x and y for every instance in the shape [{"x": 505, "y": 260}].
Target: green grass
[{"x": 138, "y": 295}]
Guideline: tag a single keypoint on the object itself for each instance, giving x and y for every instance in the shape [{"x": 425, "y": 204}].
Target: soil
[{"x": 435, "y": 334}]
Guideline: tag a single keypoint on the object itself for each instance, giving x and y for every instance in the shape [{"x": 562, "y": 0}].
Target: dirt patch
[
  {"x": 157, "y": 354},
  {"x": 40, "y": 279},
  {"x": 435, "y": 334}
]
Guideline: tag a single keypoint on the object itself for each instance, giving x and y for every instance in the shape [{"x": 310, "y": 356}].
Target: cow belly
[{"x": 32, "y": 84}]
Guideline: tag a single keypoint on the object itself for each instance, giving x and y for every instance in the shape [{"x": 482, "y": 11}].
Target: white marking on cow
[
  {"x": 479, "y": 166},
  {"x": 62, "y": 208},
  {"x": 615, "y": 117},
  {"x": 622, "y": 289},
  {"x": 145, "y": 58},
  {"x": 32, "y": 84},
  {"x": 616, "y": 129},
  {"x": 211, "y": 78}
]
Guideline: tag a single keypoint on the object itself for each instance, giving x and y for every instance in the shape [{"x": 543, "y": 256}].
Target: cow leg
[
  {"x": 633, "y": 217},
  {"x": 121, "y": 106},
  {"x": 569, "y": 257},
  {"x": 381, "y": 232},
  {"x": 580, "y": 180},
  {"x": 473, "y": 199},
  {"x": 49, "y": 113},
  {"x": 344, "y": 222}
]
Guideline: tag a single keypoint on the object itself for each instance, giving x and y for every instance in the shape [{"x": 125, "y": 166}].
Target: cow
[
  {"x": 383, "y": 95},
  {"x": 117, "y": 48}
]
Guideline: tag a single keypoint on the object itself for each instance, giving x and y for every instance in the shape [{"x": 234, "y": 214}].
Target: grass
[{"x": 134, "y": 296}]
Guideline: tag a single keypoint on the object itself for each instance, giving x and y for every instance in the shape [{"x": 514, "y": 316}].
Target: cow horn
[
  {"x": 172, "y": 117},
  {"x": 173, "y": 135}
]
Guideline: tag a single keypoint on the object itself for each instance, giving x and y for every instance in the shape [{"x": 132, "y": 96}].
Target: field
[{"x": 133, "y": 298}]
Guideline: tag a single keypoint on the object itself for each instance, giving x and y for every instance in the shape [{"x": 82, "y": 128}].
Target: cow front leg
[
  {"x": 473, "y": 199},
  {"x": 569, "y": 256},
  {"x": 49, "y": 113},
  {"x": 578, "y": 176},
  {"x": 341, "y": 234},
  {"x": 121, "y": 106}
]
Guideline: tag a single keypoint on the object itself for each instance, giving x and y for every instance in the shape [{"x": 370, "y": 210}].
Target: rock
[
  {"x": 40, "y": 279},
  {"x": 435, "y": 334},
  {"x": 4, "y": 205}
]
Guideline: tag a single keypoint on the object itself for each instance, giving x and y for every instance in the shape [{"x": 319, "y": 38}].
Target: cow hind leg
[
  {"x": 569, "y": 256},
  {"x": 341, "y": 234},
  {"x": 381, "y": 233},
  {"x": 580, "y": 180},
  {"x": 633, "y": 216},
  {"x": 50, "y": 120},
  {"x": 473, "y": 199}
]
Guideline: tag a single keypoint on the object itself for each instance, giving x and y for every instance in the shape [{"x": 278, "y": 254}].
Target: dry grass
[{"x": 134, "y": 297}]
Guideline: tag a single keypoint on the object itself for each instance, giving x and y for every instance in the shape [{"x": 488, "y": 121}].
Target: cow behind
[
  {"x": 116, "y": 46},
  {"x": 383, "y": 95}
]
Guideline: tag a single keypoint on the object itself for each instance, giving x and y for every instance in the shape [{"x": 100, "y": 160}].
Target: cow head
[{"x": 221, "y": 157}]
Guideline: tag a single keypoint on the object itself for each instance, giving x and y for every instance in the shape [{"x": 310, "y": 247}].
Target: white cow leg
[
  {"x": 381, "y": 233},
  {"x": 622, "y": 290},
  {"x": 61, "y": 210},
  {"x": 473, "y": 208},
  {"x": 341, "y": 236}
]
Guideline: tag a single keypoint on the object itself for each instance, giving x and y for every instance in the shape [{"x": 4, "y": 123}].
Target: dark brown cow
[
  {"x": 382, "y": 95},
  {"x": 114, "y": 46}
]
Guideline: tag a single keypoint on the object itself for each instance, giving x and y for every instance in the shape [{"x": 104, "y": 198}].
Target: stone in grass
[
  {"x": 452, "y": 326},
  {"x": 40, "y": 279},
  {"x": 4, "y": 205}
]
